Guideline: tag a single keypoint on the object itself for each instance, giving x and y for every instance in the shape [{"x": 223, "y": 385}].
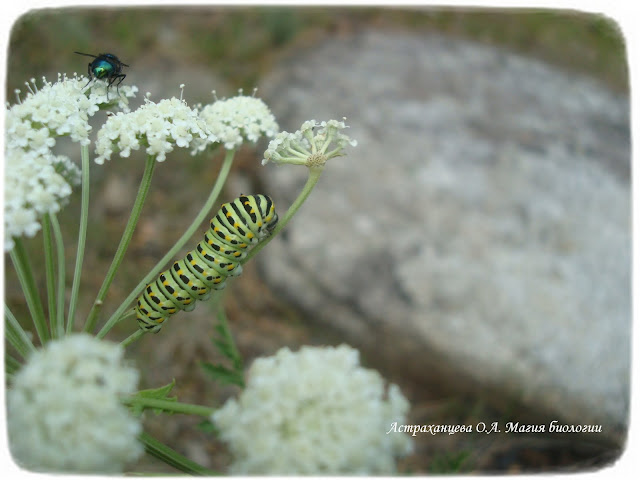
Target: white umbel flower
[
  {"x": 314, "y": 412},
  {"x": 312, "y": 145},
  {"x": 157, "y": 127},
  {"x": 63, "y": 410},
  {"x": 36, "y": 182},
  {"x": 62, "y": 108},
  {"x": 236, "y": 120}
]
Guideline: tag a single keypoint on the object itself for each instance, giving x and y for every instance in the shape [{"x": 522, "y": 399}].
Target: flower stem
[
  {"x": 16, "y": 335},
  {"x": 57, "y": 234},
  {"x": 82, "y": 236},
  {"x": 20, "y": 261},
  {"x": 166, "y": 454},
  {"x": 11, "y": 366},
  {"x": 168, "y": 406},
  {"x": 132, "y": 338},
  {"x": 143, "y": 190},
  {"x": 312, "y": 179},
  {"x": 49, "y": 267},
  {"x": 202, "y": 215}
]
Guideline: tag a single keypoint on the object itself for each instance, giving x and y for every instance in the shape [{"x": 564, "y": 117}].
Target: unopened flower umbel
[
  {"x": 312, "y": 145},
  {"x": 314, "y": 412},
  {"x": 64, "y": 413}
]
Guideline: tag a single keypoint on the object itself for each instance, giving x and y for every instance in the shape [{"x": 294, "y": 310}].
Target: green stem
[
  {"x": 49, "y": 268},
  {"x": 168, "y": 406},
  {"x": 143, "y": 190},
  {"x": 202, "y": 215},
  {"x": 11, "y": 366},
  {"x": 166, "y": 454},
  {"x": 312, "y": 179},
  {"x": 82, "y": 236},
  {"x": 20, "y": 261},
  {"x": 132, "y": 338},
  {"x": 57, "y": 234},
  {"x": 16, "y": 335}
]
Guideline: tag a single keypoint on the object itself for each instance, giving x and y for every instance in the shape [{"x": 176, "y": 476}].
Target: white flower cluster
[
  {"x": 314, "y": 412},
  {"x": 100, "y": 93},
  {"x": 63, "y": 410},
  {"x": 35, "y": 184},
  {"x": 61, "y": 108},
  {"x": 36, "y": 180},
  {"x": 303, "y": 147},
  {"x": 157, "y": 126},
  {"x": 237, "y": 119}
]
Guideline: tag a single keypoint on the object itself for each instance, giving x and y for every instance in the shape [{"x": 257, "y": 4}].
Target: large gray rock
[{"x": 480, "y": 231}]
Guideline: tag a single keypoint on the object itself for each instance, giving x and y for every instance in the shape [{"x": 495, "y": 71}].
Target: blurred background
[{"x": 227, "y": 49}]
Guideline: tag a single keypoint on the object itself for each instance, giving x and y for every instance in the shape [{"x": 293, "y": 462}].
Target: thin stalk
[
  {"x": 11, "y": 366},
  {"x": 16, "y": 335},
  {"x": 82, "y": 236},
  {"x": 166, "y": 454},
  {"x": 202, "y": 215},
  {"x": 168, "y": 406},
  {"x": 132, "y": 338},
  {"x": 143, "y": 190},
  {"x": 57, "y": 234},
  {"x": 49, "y": 268},
  {"x": 22, "y": 266},
  {"x": 312, "y": 179}
]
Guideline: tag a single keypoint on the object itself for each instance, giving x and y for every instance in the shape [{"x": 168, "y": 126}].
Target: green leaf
[
  {"x": 223, "y": 340},
  {"x": 207, "y": 426},
  {"x": 448, "y": 463},
  {"x": 223, "y": 343},
  {"x": 160, "y": 393},
  {"x": 222, "y": 374},
  {"x": 166, "y": 454}
]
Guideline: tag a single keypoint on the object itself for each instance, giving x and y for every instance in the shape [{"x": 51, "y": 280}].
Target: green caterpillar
[{"x": 237, "y": 227}]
